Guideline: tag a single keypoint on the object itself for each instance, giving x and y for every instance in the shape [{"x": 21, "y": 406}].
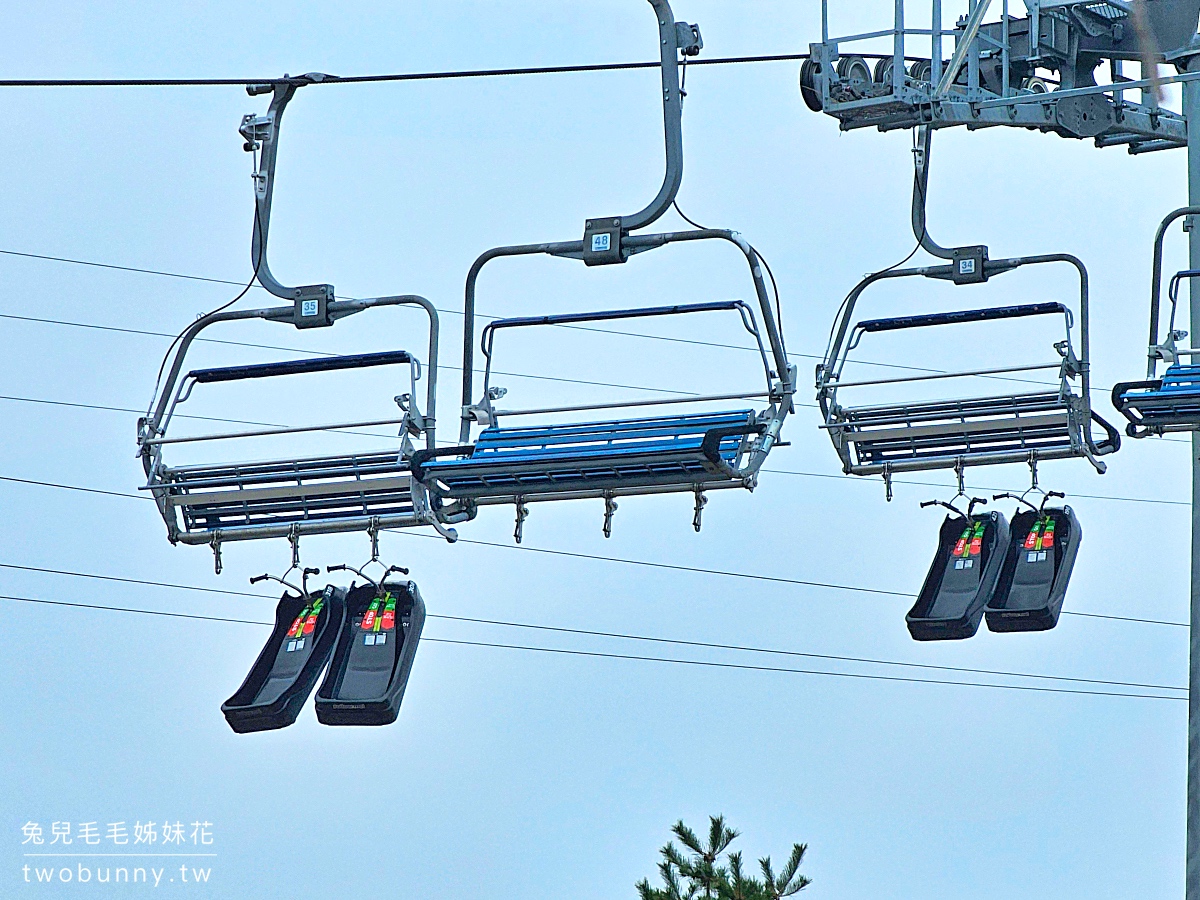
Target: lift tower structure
[{"x": 1038, "y": 72}]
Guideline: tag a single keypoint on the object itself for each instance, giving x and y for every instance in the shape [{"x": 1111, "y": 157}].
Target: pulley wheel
[
  {"x": 921, "y": 70},
  {"x": 855, "y": 72},
  {"x": 883, "y": 71},
  {"x": 810, "y": 90}
]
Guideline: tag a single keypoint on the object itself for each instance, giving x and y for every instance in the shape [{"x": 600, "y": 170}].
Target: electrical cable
[
  {"x": 636, "y": 657},
  {"x": 452, "y": 312},
  {"x": 586, "y": 556},
  {"x": 373, "y": 79},
  {"x": 224, "y": 306},
  {"x": 619, "y": 635}
]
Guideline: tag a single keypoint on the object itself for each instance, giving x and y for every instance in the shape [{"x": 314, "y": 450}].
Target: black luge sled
[
  {"x": 1033, "y": 581},
  {"x": 971, "y": 552},
  {"x": 287, "y": 669},
  {"x": 374, "y": 655}
]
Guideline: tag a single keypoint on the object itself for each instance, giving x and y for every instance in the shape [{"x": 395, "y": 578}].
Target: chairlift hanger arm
[
  {"x": 261, "y": 133},
  {"x": 674, "y": 39},
  {"x": 1156, "y": 282},
  {"x": 637, "y": 244}
]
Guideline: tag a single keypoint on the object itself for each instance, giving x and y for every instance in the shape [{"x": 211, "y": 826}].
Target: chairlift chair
[
  {"x": 211, "y": 503},
  {"x": 607, "y": 458},
  {"x": 1170, "y": 403},
  {"x": 984, "y": 429}
]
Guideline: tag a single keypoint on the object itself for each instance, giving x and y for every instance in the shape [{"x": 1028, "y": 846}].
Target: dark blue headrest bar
[
  {"x": 966, "y": 315},
  {"x": 637, "y": 313},
  {"x": 301, "y": 366}
]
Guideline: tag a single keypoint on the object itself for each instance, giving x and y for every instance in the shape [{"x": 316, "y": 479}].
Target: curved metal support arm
[
  {"x": 1156, "y": 283},
  {"x": 670, "y": 46},
  {"x": 154, "y": 423},
  {"x": 261, "y": 135},
  {"x": 783, "y": 371},
  {"x": 920, "y": 195},
  {"x": 605, "y": 236}
]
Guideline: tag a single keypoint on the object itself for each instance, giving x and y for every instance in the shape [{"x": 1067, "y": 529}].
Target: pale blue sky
[{"x": 523, "y": 774}]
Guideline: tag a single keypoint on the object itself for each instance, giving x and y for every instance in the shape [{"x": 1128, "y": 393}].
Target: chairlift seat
[
  {"x": 374, "y": 655},
  {"x": 686, "y": 450},
  {"x": 983, "y": 429},
  {"x": 290, "y": 663},
  {"x": 317, "y": 489},
  {"x": 1171, "y": 402},
  {"x": 962, "y": 579},
  {"x": 1033, "y": 583}
]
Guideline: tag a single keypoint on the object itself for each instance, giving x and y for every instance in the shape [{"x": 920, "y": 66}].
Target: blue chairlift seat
[
  {"x": 1170, "y": 403},
  {"x": 683, "y": 452}
]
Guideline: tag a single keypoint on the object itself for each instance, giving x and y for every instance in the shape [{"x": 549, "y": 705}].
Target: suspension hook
[
  {"x": 215, "y": 543},
  {"x": 373, "y": 533},
  {"x": 701, "y": 502},
  {"x": 294, "y": 540},
  {"x": 522, "y": 515},
  {"x": 610, "y": 507}
]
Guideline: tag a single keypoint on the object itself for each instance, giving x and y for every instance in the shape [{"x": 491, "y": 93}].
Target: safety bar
[
  {"x": 1156, "y": 283},
  {"x": 636, "y": 244},
  {"x": 300, "y": 366},
  {"x": 966, "y": 315}
]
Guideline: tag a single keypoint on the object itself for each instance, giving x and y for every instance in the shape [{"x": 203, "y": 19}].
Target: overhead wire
[
  {"x": 398, "y": 77},
  {"x": 718, "y": 345},
  {"x": 610, "y": 634},
  {"x": 600, "y": 558},
  {"x": 675, "y": 660}
]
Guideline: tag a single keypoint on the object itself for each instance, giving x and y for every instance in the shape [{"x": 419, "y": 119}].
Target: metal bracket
[
  {"x": 373, "y": 534},
  {"x": 294, "y": 540},
  {"x": 610, "y": 507},
  {"x": 215, "y": 543},
  {"x": 887, "y": 481},
  {"x": 701, "y": 502},
  {"x": 522, "y": 515},
  {"x": 261, "y": 137}
]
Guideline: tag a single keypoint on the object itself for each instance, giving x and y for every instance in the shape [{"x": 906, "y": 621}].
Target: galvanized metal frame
[
  {"x": 906, "y": 102},
  {"x": 828, "y": 378},
  {"x": 152, "y": 431}
]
